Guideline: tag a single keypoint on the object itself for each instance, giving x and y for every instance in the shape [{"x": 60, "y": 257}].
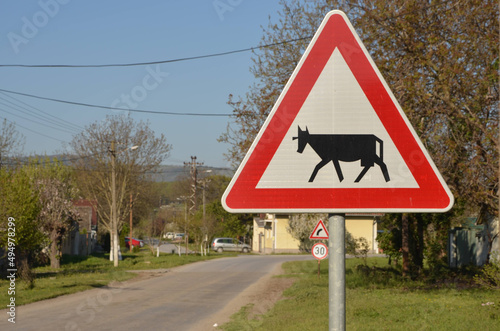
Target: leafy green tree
[
  {"x": 207, "y": 221},
  {"x": 20, "y": 202},
  {"x": 390, "y": 244},
  {"x": 226, "y": 224}
]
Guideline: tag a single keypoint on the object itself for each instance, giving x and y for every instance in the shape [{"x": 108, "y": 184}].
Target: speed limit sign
[{"x": 320, "y": 251}]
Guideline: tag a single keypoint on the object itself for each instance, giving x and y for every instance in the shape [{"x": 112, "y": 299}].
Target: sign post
[{"x": 336, "y": 272}]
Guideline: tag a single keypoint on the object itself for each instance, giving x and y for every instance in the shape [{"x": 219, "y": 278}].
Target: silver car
[{"x": 229, "y": 244}]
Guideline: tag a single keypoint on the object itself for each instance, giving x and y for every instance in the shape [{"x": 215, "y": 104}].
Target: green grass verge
[
  {"x": 80, "y": 273},
  {"x": 377, "y": 298}
]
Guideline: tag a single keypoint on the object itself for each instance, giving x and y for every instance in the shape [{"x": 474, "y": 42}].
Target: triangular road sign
[
  {"x": 337, "y": 140},
  {"x": 319, "y": 232}
]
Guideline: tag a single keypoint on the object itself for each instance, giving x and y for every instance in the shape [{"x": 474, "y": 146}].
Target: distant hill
[
  {"x": 170, "y": 173},
  {"x": 166, "y": 173}
]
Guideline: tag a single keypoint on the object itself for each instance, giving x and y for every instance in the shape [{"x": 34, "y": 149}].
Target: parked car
[
  {"x": 178, "y": 236},
  {"x": 135, "y": 242},
  {"x": 229, "y": 244}
]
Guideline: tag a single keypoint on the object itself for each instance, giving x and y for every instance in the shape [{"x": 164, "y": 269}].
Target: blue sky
[{"x": 121, "y": 31}]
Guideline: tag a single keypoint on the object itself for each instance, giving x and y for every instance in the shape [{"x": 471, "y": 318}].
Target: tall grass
[{"x": 377, "y": 298}]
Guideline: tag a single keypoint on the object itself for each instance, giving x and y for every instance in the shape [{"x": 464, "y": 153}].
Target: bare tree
[
  {"x": 109, "y": 170},
  {"x": 10, "y": 139}
]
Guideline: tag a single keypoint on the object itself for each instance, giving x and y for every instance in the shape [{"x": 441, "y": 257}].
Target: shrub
[{"x": 489, "y": 277}]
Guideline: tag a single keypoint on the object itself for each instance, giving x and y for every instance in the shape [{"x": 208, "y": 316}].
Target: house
[
  {"x": 82, "y": 238},
  {"x": 271, "y": 236},
  {"x": 88, "y": 215},
  {"x": 270, "y": 233}
]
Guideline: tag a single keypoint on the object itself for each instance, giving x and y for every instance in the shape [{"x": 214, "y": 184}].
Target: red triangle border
[{"x": 432, "y": 195}]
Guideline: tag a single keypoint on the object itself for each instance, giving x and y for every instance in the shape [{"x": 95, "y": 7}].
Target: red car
[{"x": 135, "y": 242}]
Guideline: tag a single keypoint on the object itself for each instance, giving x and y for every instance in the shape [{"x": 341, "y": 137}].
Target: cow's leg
[
  {"x": 362, "y": 174},
  {"x": 338, "y": 170},
  {"x": 316, "y": 169},
  {"x": 383, "y": 167}
]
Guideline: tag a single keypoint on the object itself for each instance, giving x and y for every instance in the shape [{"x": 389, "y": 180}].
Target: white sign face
[
  {"x": 320, "y": 232},
  {"x": 320, "y": 251},
  {"x": 336, "y": 105}
]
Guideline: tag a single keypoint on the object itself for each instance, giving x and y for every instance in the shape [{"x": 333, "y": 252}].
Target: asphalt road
[{"x": 183, "y": 298}]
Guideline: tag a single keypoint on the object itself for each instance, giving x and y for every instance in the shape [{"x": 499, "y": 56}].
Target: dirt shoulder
[{"x": 262, "y": 295}]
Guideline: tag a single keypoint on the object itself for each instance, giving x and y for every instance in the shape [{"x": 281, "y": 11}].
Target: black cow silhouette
[{"x": 346, "y": 148}]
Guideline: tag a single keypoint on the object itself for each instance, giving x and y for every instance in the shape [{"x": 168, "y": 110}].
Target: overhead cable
[
  {"x": 117, "y": 108},
  {"x": 36, "y": 132},
  {"x": 198, "y": 57},
  {"x": 56, "y": 119}
]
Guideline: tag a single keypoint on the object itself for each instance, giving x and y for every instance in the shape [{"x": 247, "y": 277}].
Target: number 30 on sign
[{"x": 320, "y": 251}]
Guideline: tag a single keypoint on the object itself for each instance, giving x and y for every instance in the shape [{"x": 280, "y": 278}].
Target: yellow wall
[
  {"x": 284, "y": 240},
  {"x": 361, "y": 226}
]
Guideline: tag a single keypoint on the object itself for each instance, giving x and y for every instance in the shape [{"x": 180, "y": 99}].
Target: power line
[
  {"x": 198, "y": 57},
  {"x": 116, "y": 108},
  {"x": 41, "y": 134},
  {"x": 51, "y": 123},
  {"x": 56, "y": 119},
  {"x": 32, "y": 120}
]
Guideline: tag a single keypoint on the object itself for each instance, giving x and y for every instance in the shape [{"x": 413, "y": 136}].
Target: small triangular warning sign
[
  {"x": 319, "y": 232},
  {"x": 337, "y": 140}
]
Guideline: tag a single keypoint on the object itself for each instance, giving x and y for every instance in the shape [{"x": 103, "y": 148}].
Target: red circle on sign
[{"x": 320, "y": 251}]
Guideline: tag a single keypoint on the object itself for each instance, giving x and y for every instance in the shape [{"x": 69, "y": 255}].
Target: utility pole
[
  {"x": 204, "y": 183},
  {"x": 194, "y": 182},
  {"x": 114, "y": 212},
  {"x": 194, "y": 174},
  {"x": 130, "y": 235}
]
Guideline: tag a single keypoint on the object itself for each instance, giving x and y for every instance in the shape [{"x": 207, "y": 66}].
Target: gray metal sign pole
[{"x": 336, "y": 271}]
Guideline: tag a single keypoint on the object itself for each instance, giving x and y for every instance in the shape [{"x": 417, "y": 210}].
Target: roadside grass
[
  {"x": 377, "y": 298},
  {"x": 80, "y": 273}
]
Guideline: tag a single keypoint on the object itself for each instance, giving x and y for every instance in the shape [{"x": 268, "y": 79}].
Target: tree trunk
[
  {"x": 54, "y": 255},
  {"x": 111, "y": 239},
  {"x": 114, "y": 252},
  {"x": 24, "y": 270},
  {"x": 405, "y": 244},
  {"x": 116, "y": 248},
  {"x": 419, "y": 250}
]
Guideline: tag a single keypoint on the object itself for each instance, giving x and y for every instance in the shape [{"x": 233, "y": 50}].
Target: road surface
[{"x": 191, "y": 297}]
